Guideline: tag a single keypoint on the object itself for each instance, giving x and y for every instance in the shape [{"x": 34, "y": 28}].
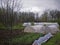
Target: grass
[
  {"x": 54, "y": 41},
  {"x": 18, "y": 26},
  {"x": 2, "y": 26},
  {"x": 26, "y": 38}
]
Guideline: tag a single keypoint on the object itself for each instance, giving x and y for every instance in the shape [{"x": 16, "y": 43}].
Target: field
[
  {"x": 28, "y": 39},
  {"x": 18, "y": 38},
  {"x": 25, "y": 39},
  {"x": 22, "y": 39}
]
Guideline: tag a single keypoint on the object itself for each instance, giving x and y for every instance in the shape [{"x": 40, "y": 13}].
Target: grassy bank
[{"x": 54, "y": 41}]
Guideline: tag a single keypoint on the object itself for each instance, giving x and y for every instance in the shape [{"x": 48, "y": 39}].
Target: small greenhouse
[{"x": 41, "y": 29}]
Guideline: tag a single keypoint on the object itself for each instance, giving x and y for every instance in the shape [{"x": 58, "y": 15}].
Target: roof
[
  {"x": 27, "y": 24},
  {"x": 37, "y": 27},
  {"x": 41, "y": 23}
]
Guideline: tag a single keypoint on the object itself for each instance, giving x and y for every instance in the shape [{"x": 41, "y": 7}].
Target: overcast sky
[
  {"x": 40, "y": 5},
  {"x": 47, "y": 4}
]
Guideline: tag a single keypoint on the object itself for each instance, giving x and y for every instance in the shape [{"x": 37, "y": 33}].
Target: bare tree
[
  {"x": 55, "y": 14},
  {"x": 10, "y": 7}
]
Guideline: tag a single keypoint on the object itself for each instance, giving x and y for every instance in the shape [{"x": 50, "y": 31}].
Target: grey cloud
[{"x": 52, "y": 4}]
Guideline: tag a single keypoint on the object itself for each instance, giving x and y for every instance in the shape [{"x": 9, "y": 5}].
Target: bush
[
  {"x": 58, "y": 22},
  {"x": 32, "y": 23}
]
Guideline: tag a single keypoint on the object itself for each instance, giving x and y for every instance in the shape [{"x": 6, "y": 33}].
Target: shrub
[
  {"x": 32, "y": 23},
  {"x": 58, "y": 22},
  {"x": 18, "y": 26}
]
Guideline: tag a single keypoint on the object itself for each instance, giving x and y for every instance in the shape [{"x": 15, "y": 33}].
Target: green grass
[
  {"x": 54, "y": 41},
  {"x": 18, "y": 26},
  {"x": 26, "y": 38},
  {"x": 2, "y": 26}
]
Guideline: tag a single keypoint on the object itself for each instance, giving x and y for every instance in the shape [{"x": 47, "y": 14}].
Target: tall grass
[{"x": 27, "y": 39}]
